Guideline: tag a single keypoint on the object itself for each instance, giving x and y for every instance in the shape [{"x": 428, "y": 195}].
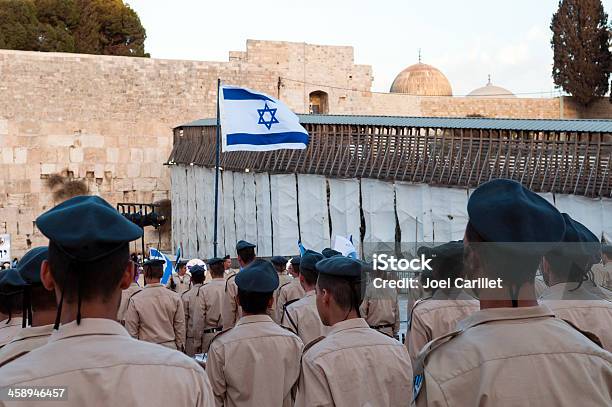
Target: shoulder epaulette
[
  {"x": 134, "y": 293},
  {"x": 288, "y": 303},
  {"x": 419, "y": 366},
  {"x": 199, "y": 288},
  {"x": 588, "y": 334},
  {"x": 227, "y": 281},
  {"x": 417, "y": 302},
  {"x": 288, "y": 282},
  {"x": 218, "y": 335},
  {"x": 312, "y": 343}
]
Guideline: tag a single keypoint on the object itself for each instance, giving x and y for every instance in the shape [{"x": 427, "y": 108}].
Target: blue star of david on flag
[{"x": 272, "y": 113}]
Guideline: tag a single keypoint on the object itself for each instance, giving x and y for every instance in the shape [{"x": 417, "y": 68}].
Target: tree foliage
[
  {"x": 107, "y": 27},
  {"x": 581, "y": 45}
]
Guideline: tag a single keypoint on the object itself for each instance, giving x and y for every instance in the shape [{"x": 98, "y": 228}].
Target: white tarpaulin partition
[
  {"x": 587, "y": 211},
  {"x": 264, "y": 215},
  {"x": 206, "y": 192},
  {"x": 229, "y": 225},
  {"x": 606, "y": 210},
  {"x": 191, "y": 250},
  {"x": 413, "y": 212},
  {"x": 182, "y": 213},
  {"x": 314, "y": 220},
  {"x": 200, "y": 211},
  {"x": 344, "y": 209},
  {"x": 176, "y": 205},
  {"x": 448, "y": 213},
  {"x": 284, "y": 214},
  {"x": 377, "y": 200},
  {"x": 244, "y": 206}
]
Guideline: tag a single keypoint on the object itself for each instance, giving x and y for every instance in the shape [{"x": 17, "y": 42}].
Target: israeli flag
[
  {"x": 156, "y": 254},
  {"x": 253, "y": 121}
]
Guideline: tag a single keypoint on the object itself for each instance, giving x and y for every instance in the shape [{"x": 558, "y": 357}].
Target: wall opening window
[{"x": 318, "y": 102}]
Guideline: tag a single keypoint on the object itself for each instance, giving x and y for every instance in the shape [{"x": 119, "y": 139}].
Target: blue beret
[
  {"x": 259, "y": 276},
  {"x": 29, "y": 265},
  {"x": 328, "y": 252},
  {"x": 153, "y": 263},
  {"x": 503, "y": 210},
  {"x": 447, "y": 250},
  {"x": 213, "y": 261},
  {"x": 296, "y": 260},
  {"x": 182, "y": 262},
  {"x": 243, "y": 244},
  {"x": 226, "y": 257},
  {"x": 87, "y": 227},
  {"x": 340, "y": 266},
  {"x": 310, "y": 259},
  {"x": 580, "y": 241},
  {"x": 197, "y": 271},
  {"x": 10, "y": 280},
  {"x": 278, "y": 260}
]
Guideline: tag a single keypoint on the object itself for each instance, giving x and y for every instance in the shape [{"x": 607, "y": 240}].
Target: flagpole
[{"x": 217, "y": 160}]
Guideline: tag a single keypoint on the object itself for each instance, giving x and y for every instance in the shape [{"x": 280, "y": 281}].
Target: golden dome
[
  {"x": 491, "y": 91},
  {"x": 422, "y": 80}
]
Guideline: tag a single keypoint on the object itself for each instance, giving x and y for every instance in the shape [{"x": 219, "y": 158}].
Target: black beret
[
  {"x": 243, "y": 244},
  {"x": 213, "y": 261},
  {"x": 182, "y": 262},
  {"x": 340, "y": 266},
  {"x": 29, "y": 265},
  {"x": 87, "y": 228},
  {"x": 296, "y": 260},
  {"x": 503, "y": 210},
  {"x": 153, "y": 263},
  {"x": 259, "y": 276},
  {"x": 447, "y": 250},
  {"x": 10, "y": 280},
  {"x": 579, "y": 240},
  {"x": 328, "y": 252},
  {"x": 310, "y": 259},
  {"x": 278, "y": 260},
  {"x": 197, "y": 271},
  {"x": 226, "y": 257}
]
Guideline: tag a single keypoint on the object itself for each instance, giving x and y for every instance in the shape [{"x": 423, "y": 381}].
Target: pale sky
[{"x": 465, "y": 39}]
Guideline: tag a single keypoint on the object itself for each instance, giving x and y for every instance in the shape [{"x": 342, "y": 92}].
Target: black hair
[
  {"x": 253, "y": 302},
  {"x": 97, "y": 279},
  {"x": 247, "y": 254},
  {"x": 11, "y": 303},
  {"x": 153, "y": 271},
  {"x": 279, "y": 267},
  {"x": 310, "y": 276},
  {"x": 448, "y": 267},
  {"x": 217, "y": 270},
  {"x": 198, "y": 279},
  {"x": 346, "y": 293},
  {"x": 296, "y": 268}
]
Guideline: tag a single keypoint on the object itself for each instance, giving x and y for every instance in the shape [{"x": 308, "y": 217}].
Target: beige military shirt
[
  {"x": 355, "y": 365},
  {"x": 539, "y": 285},
  {"x": 101, "y": 364},
  {"x": 599, "y": 291},
  {"x": 288, "y": 292},
  {"x": 182, "y": 284},
  {"x": 602, "y": 275},
  {"x": 257, "y": 363},
  {"x": 28, "y": 339},
  {"x": 283, "y": 278},
  {"x": 582, "y": 308},
  {"x": 208, "y": 304},
  {"x": 302, "y": 318},
  {"x": 231, "y": 311},
  {"x": 156, "y": 315},
  {"x": 192, "y": 331},
  {"x": 436, "y": 316},
  {"x": 8, "y": 330},
  {"x": 514, "y": 357},
  {"x": 380, "y": 308},
  {"x": 125, "y": 296}
]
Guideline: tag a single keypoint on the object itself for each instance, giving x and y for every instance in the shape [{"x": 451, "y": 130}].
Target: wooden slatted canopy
[{"x": 561, "y": 156}]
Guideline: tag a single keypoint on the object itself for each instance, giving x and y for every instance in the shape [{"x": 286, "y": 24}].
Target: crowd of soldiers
[{"x": 313, "y": 330}]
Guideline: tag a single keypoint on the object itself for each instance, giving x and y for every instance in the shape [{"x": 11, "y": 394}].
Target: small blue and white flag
[
  {"x": 254, "y": 121},
  {"x": 156, "y": 254}
]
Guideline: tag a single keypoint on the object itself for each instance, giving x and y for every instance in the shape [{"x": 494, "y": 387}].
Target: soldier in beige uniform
[
  {"x": 208, "y": 304},
  {"x": 438, "y": 315},
  {"x": 40, "y": 303},
  {"x": 180, "y": 280},
  {"x": 564, "y": 271},
  {"x": 280, "y": 264},
  {"x": 126, "y": 295},
  {"x": 156, "y": 314},
  {"x": 189, "y": 298},
  {"x": 513, "y": 352},
  {"x": 11, "y": 298},
  {"x": 257, "y": 362},
  {"x": 231, "y": 311},
  {"x": 289, "y": 292},
  {"x": 301, "y": 316},
  {"x": 353, "y": 365},
  {"x": 602, "y": 272},
  {"x": 91, "y": 354},
  {"x": 380, "y": 306}
]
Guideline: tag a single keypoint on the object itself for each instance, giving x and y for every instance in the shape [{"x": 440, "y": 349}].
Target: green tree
[
  {"x": 18, "y": 24},
  {"x": 57, "y": 19},
  {"x": 109, "y": 27},
  {"x": 581, "y": 41}
]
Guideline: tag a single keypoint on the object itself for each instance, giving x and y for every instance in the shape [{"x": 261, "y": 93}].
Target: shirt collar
[
  {"x": 310, "y": 293},
  {"x": 249, "y": 319},
  {"x": 134, "y": 284},
  {"x": 348, "y": 324},
  {"x": 154, "y": 285},
  {"x": 88, "y": 326},
  {"x": 33, "y": 332},
  {"x": 567, "y": 291},
  {"x": 504, "y": 314}
]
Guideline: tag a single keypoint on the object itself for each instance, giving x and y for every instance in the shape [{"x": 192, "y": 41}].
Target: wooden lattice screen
[{"x": 576, "y": 163}]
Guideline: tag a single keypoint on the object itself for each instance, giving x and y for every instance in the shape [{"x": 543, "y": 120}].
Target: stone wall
[{"x": 108, "y": 120}]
